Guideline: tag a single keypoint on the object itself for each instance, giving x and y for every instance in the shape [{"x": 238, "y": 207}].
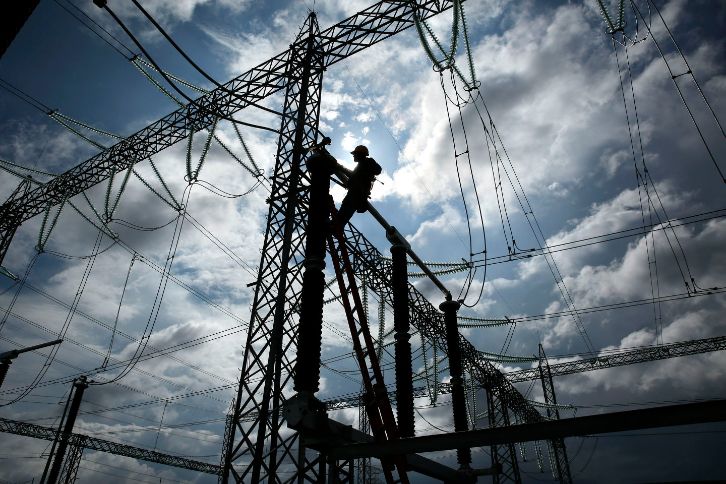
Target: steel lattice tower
[{"x": 257, "y": 447}]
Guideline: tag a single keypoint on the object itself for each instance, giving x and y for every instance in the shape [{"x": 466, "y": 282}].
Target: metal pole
[
  {"x": 562, "y": 464},
  {"x": 79, "y": 387},
  {"x": 6, "y": 359}
]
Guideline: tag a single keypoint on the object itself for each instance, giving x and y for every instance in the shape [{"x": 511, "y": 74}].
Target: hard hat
[{"x": 360, "y": 150}]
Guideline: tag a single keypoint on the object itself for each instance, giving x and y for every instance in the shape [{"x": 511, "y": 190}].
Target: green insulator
[
  {"x": 163, "y": 184},
  {"x": 235, "y": 157},
  {"x": 435, "y": 375},
  {"x": 190, "y": 143},
  {"x": 107, "y": 197},
  {"x": 247, "y": 151},
  {"x": 87, "y": 126},
  {"x": 147, "y": 185},
  {"x": 76, "y": 132},
  {"x": 381, "y": 328},
  {"x": 120, "y": 192},
  {"x": 205, "y": 150},
  {"x": 42, "y": 228}
]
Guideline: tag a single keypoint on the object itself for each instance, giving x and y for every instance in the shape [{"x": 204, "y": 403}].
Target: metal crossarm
[
  {"x": 637, "y": 355},
  {"x": 78, "y": 440},
  {"x": 377, "y": 404}
]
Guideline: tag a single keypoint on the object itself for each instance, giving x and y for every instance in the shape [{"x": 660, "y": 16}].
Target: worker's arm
[{"x": 342, "y": 172}]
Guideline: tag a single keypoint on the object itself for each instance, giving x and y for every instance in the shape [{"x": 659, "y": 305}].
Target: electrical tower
[{"x": 258, "y": 447}]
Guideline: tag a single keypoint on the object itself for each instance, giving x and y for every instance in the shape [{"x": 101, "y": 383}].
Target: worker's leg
[{"x": 347, "y": 209}]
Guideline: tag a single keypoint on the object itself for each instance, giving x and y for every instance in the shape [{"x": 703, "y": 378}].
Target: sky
[{"x": 578, "y": 126}]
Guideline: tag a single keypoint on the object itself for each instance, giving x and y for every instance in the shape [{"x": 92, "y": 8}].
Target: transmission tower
[{"x": 257, "y": 448}]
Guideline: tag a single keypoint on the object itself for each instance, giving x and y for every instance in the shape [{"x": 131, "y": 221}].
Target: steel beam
[
  {"x": 628, "y": 357},
  {"x": 79, "y": 440},
  {"x": 666, "y": 416},
  {"x": 325, "y": 435}
]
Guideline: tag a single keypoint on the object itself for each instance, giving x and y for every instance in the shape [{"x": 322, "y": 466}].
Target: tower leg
[
  {"x": 561, "y": 467},
  {"x": 69, "y": 473},
  {"x": 504, "y": 457},
  {"x": 79, "y": 387}
]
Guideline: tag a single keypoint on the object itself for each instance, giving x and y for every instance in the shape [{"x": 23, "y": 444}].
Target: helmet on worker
[{"x": 359, "y": 151}]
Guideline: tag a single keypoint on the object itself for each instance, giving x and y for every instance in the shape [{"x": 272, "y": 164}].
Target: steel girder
[
  {"x": 78, "y": 440},
  {"x": 370, "y": 26},
  {"x": 628, "y": 357}
]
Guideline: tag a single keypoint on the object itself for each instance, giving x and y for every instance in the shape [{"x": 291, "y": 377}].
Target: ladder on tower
[{"x": 377, "y": 405}]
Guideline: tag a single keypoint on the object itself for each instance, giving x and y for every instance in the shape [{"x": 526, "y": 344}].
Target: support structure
[
  {"x": 561, "y": 468},
  {"x": 504, "y": 456},
  {"x": 622, "y": 358},
  {"x": 11, "y": 219},
  {"x": 647, "y": 418},
  {"x": 364, "y": 464},
  {"x": 79, "y": 440},
  {"x": 257, "y": 447},
  {"x": 79, "y": 387},
  {"x": 72, "y": 462}
]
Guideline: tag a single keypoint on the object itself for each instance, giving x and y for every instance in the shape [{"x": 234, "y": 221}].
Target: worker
[{"x": 359, "y": 184}]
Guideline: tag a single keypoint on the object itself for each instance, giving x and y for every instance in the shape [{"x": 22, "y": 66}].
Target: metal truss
[
  {"x": 504, "y": 456},
  {"x": 11, "y": 219},
  {"x": 368, "y": 27},
  {"x": 639, "y": 355},
  {"x": 258, "y": 451},
  {"x": 78, "y": 440},
  {"x": 69, "y": 473},
  {"x": 628, "y": 357},
  {"x": 558, "y": 450}
]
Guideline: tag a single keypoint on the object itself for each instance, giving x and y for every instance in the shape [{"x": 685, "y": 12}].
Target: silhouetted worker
[{"x": 359, "y": 184}]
